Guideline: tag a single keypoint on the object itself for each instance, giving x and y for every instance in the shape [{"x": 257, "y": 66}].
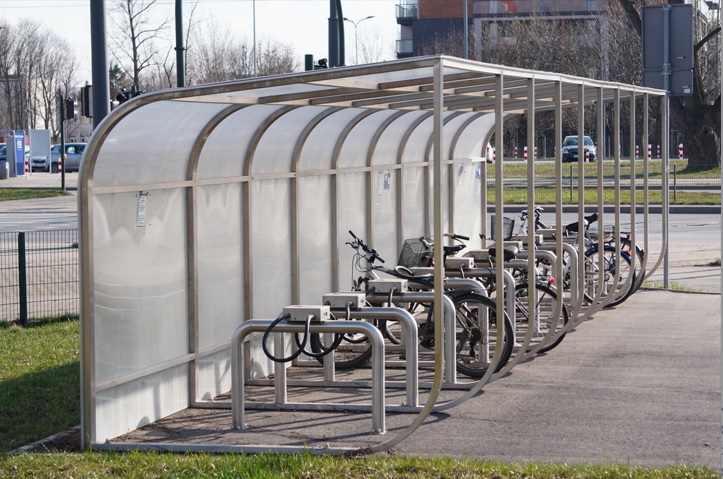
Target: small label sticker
[{"x": 141, "y": 216}]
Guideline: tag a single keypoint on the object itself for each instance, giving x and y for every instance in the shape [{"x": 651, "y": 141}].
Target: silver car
[{"x": 73, "y": 155}]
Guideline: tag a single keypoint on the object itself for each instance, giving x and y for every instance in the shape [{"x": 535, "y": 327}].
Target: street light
[{"x": 356, "y": 37}]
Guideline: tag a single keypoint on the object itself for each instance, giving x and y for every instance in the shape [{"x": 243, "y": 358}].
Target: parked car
[
  {"x": 570, "y": 147},
  {"x": 39, "y": 163},
  {"x": 73, "y": 155}
]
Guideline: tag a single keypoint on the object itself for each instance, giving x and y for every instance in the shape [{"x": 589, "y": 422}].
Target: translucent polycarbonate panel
[
  {"x": 274, "y": 153},
  {"x": 387, "y": 150},
  {"x": 355, "y": 151},
  {"x": 224, "y": 152},
  {"x": 352, "y": 213},
  {"x": 471, "y": 142},
  {"x": 443, "y": 195},
  {"x": 219, "y": 262},
  {"x": 415, "y": 150},
  {"x": 140, "y": 285},
  {"x": 270, "y": 225},
  {"x": 152, "y": 144},
  {"x": 467, "y": 207},
  {"x": 384, "y": 214},
  {"x": 314, "y": 216},
  {"x": 132, "y": 405},
  {"x": 214, "y": 375},
  {"x": 414, "y": 201},
  {"x": 318, "y": 150}
]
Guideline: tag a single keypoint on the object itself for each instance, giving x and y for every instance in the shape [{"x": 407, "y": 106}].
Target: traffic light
[
  {"x": 86, "y": 95},
  {"x": 69, "y": 109}
]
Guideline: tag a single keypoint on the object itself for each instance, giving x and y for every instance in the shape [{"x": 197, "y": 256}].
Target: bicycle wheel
[
  {"x": 625, "y": 241},
  {"x": 476, "y": 335},
  {"x": 610, "y": 270},
  {"x": 545, "y": 307}
]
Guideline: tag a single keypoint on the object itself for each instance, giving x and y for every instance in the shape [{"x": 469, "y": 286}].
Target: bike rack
[{"x": 238, "y": 368}]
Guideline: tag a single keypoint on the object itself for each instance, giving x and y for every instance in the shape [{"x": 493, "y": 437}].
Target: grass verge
[
  {"x": 672, "y": 285},
  {"x": 188, "y": 466},
  {"x": 40, "y": 377},
  {"x": 7, "y": 194}
]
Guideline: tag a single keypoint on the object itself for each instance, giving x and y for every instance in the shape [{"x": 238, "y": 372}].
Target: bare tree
[
  {"x": 136, "y": 37},
  {"x": 215, "y": 55},
  {"x": 35, "y": 66},
  {"x": 697, "y": 117}
]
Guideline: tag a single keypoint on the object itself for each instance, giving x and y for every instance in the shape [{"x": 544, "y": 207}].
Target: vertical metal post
[
  {"x": 180, "y": 61},
  {"x": 675, "y": 183},
  {"x": 22, "y": 280},
  {"x": 61, "y": 158},
  {"x": 465, "y": 29},
  {"x": 571, "y": 192},
  {"x": 666, "y": 140},
  {"x": 99, "y": 58}
]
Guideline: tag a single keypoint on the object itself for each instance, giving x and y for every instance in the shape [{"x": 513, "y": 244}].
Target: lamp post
[{"x": 356, "y": 37}]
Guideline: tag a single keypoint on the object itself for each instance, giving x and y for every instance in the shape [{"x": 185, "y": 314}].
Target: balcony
[{"x": 406, "y": 12}]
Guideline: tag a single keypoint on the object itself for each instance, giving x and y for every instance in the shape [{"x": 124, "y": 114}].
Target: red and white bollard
[
  {"x": 525, "y": 153},
  {"x": 637, "y": 152},
  {"x": 658, "y": 155},
  {"x": 60, "y": 164},
  {"x": 494, "y": 154},
  {"x": 27, "y": 166},
  {"x": 680, "y": 151},
  {"x": 535, "y": 157},
  {"x": 650, "y": 151},
  {"x": 515, "y": 153},
  {"x": 587, "y": 156}
]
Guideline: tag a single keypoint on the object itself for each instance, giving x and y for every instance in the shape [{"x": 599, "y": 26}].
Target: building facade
[{"x": 424, "y": 21}]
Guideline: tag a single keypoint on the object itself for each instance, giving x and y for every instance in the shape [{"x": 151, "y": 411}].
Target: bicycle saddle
[
  {"x": 509, "y": 253},
  {"x": 573, "y": 227},
  {"x": 454, "y": 249}
]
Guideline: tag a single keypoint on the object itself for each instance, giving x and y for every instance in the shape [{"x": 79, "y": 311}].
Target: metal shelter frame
[{"x": 132, "y": 164}]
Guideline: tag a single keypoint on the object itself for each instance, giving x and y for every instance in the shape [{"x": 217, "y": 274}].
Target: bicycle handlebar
[{"x": 371, "y": 254}]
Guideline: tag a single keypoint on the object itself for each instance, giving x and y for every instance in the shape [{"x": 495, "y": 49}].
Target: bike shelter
[{"x": 204, "y": 207}]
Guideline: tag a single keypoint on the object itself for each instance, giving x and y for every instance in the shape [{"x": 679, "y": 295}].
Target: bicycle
[
  {"x": 545, "y": 303},
  {"x": 476, "y": 322},
  {"x": 591, "y": 244}
]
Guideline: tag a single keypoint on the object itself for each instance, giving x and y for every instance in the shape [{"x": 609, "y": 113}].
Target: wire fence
[
  {"x": 39, "y": 275},
  {"x": 687, "y": 184}
]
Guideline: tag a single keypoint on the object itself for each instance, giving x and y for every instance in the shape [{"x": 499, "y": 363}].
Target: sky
[{"x": 300, "y": 23}]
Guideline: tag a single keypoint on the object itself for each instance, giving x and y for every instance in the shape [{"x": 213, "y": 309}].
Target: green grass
[
  {"x": 302, "y": 466},
  {"x": 672, "y": 285},
  {"x": 39, "y": 396},
  {"x": 7, "y": 194},
  {"x": 40, "y": 377},
  {"x": 547, "y": 196}
]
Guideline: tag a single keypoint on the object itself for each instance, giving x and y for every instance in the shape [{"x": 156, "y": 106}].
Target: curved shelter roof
[{"x": 202, "y": 207}]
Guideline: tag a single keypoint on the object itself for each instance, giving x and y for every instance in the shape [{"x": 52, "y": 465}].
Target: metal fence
[{"x": 39, "y": 275}]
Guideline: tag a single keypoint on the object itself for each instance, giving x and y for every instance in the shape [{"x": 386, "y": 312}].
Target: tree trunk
[{"x": 700, "y": 127}]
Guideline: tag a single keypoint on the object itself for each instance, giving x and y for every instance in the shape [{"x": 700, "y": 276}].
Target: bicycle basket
[
  {"x": 508, "y": 228},
  {"x": 415, "y": 253}
]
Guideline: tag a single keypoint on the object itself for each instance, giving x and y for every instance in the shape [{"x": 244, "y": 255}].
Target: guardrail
[{"x": 39, "y": 275}]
